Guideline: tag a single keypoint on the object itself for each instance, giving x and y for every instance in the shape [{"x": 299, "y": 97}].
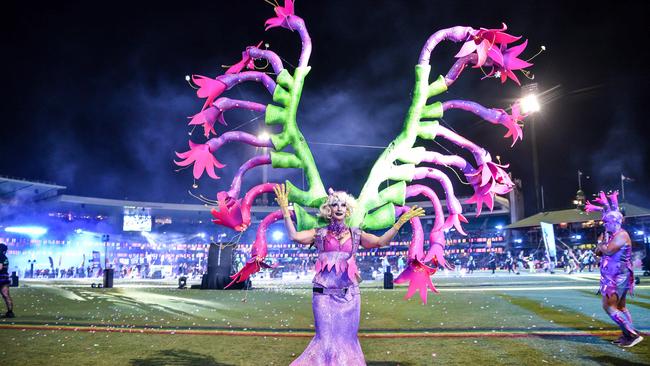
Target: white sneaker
[{"x": 632, "y": 342}]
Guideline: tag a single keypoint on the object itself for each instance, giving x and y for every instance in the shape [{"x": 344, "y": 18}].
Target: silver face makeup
[{"x": 338, "y": 209}]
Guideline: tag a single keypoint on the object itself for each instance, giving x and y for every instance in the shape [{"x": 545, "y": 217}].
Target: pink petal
[
  {"x": 517, "y": 50},
  {"x": 468, "y": 47},
  {"x": 495, "y": 54}
]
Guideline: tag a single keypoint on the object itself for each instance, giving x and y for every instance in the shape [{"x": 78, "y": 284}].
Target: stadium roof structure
[
  {"x": 34, "y": 191},
  {"x": 574, "y": 216}
]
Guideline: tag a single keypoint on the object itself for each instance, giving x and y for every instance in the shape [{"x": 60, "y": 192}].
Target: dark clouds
[{"x": 95, "y": 97}]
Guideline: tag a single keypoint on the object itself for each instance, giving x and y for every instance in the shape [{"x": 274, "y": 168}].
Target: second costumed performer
[{"x": 336, "y": 299}]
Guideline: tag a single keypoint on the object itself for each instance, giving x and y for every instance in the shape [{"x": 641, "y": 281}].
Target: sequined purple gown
[
  {"x": 616, "y": 274},
  {"x": 337, "y": 309}
]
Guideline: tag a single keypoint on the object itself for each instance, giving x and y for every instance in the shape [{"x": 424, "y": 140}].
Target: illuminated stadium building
[{"x": 56, "y": 231}]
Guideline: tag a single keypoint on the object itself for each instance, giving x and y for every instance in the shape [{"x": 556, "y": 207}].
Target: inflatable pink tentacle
[
  {"x": 449, "y": 160},
  {"x": 270, "y": 56},
  {"x": 436, "y": 235},
  {"x": 416, "y": 248},
  {"x": 225, "y": 104},
  {"x": 298, "y": 24},
  {"x": 234, "y": 79},
  {"x": 494, "y": 116},
  {"x": 453, "y": 205},
  {"x": 455, "y": 34},
  {"x": 258, "y": 251},
  {"x": 249, "y": 199},
  {"x": 481, "y": 156},
  {"x": 490, "y": 115},
  {"x": 235, "y": 187},
  {"x": 237, "y": 136},
  {"x": 458, "y": 67},
  {"x": 418, "y": 189},
  {"x": 416, "y": 273}
]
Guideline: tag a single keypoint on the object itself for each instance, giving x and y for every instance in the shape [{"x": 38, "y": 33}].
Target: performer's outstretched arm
[
  {"x": 369, "y": 241},
  {"x": 303, "y": 237}
]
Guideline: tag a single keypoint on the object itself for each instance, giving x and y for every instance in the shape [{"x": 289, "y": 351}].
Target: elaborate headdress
[{"x": 609, "y": 207}]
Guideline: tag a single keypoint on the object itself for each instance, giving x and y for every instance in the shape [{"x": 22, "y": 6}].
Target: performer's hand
[
  {"x": 415, "y": 211},
  {"x": 281, "y": 196}
]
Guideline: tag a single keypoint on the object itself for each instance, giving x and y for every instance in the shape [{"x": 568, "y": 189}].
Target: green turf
[{"x": 476, "y": 304}]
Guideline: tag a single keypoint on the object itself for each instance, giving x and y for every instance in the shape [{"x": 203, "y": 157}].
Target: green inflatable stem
[
  {"x": 288, "y": 93},
  {"x": 385, "y": 168},
  {"x": 306, "y": 221},
  {"x": 285, "y": 160},
  {"x": 380, "y": 218}
]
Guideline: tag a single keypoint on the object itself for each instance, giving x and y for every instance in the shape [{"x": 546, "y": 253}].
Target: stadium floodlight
[
  {"x": 529, "y": 104},
  {"x": 277, "y": 235},
  {"x": 32, "y": 231}
]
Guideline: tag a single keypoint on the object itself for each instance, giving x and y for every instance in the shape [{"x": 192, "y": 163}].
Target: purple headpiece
[{"x": 609, "y": 207}]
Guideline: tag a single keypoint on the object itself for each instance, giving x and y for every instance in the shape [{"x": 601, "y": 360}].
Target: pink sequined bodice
[
  {"x": 336, "y": 266},
  {"x": 331, "y": 244}
]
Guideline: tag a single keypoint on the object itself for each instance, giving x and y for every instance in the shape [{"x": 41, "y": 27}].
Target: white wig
[{"x": 337, "y": 196}]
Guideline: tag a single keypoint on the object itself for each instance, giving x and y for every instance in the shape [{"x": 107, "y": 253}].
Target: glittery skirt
[
  {"x": 616, "y": 279},
  {"x": 336, "y": 319}
]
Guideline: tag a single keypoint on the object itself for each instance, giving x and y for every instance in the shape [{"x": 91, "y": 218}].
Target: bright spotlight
[
  {"x": 640, "y": 232},
  {"x": 518, "y": 241},
  {"x": 499, "y": 227},
  {"x": 33, "y": 231},
  {"x": 277, "y": 235},
  {"x": 201, "y": 235},
  {"x": 529, "y": 104}
]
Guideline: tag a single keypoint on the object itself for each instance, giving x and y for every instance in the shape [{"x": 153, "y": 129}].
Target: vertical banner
[{"x": 549, "y": 238}]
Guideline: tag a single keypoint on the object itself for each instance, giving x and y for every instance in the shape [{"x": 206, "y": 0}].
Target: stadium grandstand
[{"x": 52, "y": 234}]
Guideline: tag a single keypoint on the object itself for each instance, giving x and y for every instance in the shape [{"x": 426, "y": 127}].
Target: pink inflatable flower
[
  {"x": 510, "y": 63},
  {"x": 229, "y": 213},
  {"x": 208, "y": 88},
  {"x": 246, "y": 62},
  {"x": 511, "y": 122},
  {"x": 486, "y": 43},
  {"x": 281, "y": 15},
  {"x": 418, "y": 276},
  {"x": 454, "y": 220},
  {"x": 436, "y": 252},
  {"x": 251, "y": 267},
  {"x": 202, "y": 158},
  {"x": 207, "y": 118},
  {"x": 489, "y": 179}
]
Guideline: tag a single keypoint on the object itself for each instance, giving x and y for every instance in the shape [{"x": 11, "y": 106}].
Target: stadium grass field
[{"x": 535, "y": 319}]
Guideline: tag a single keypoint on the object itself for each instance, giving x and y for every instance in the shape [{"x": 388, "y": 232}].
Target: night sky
[{"x": 95, "y": 97}]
